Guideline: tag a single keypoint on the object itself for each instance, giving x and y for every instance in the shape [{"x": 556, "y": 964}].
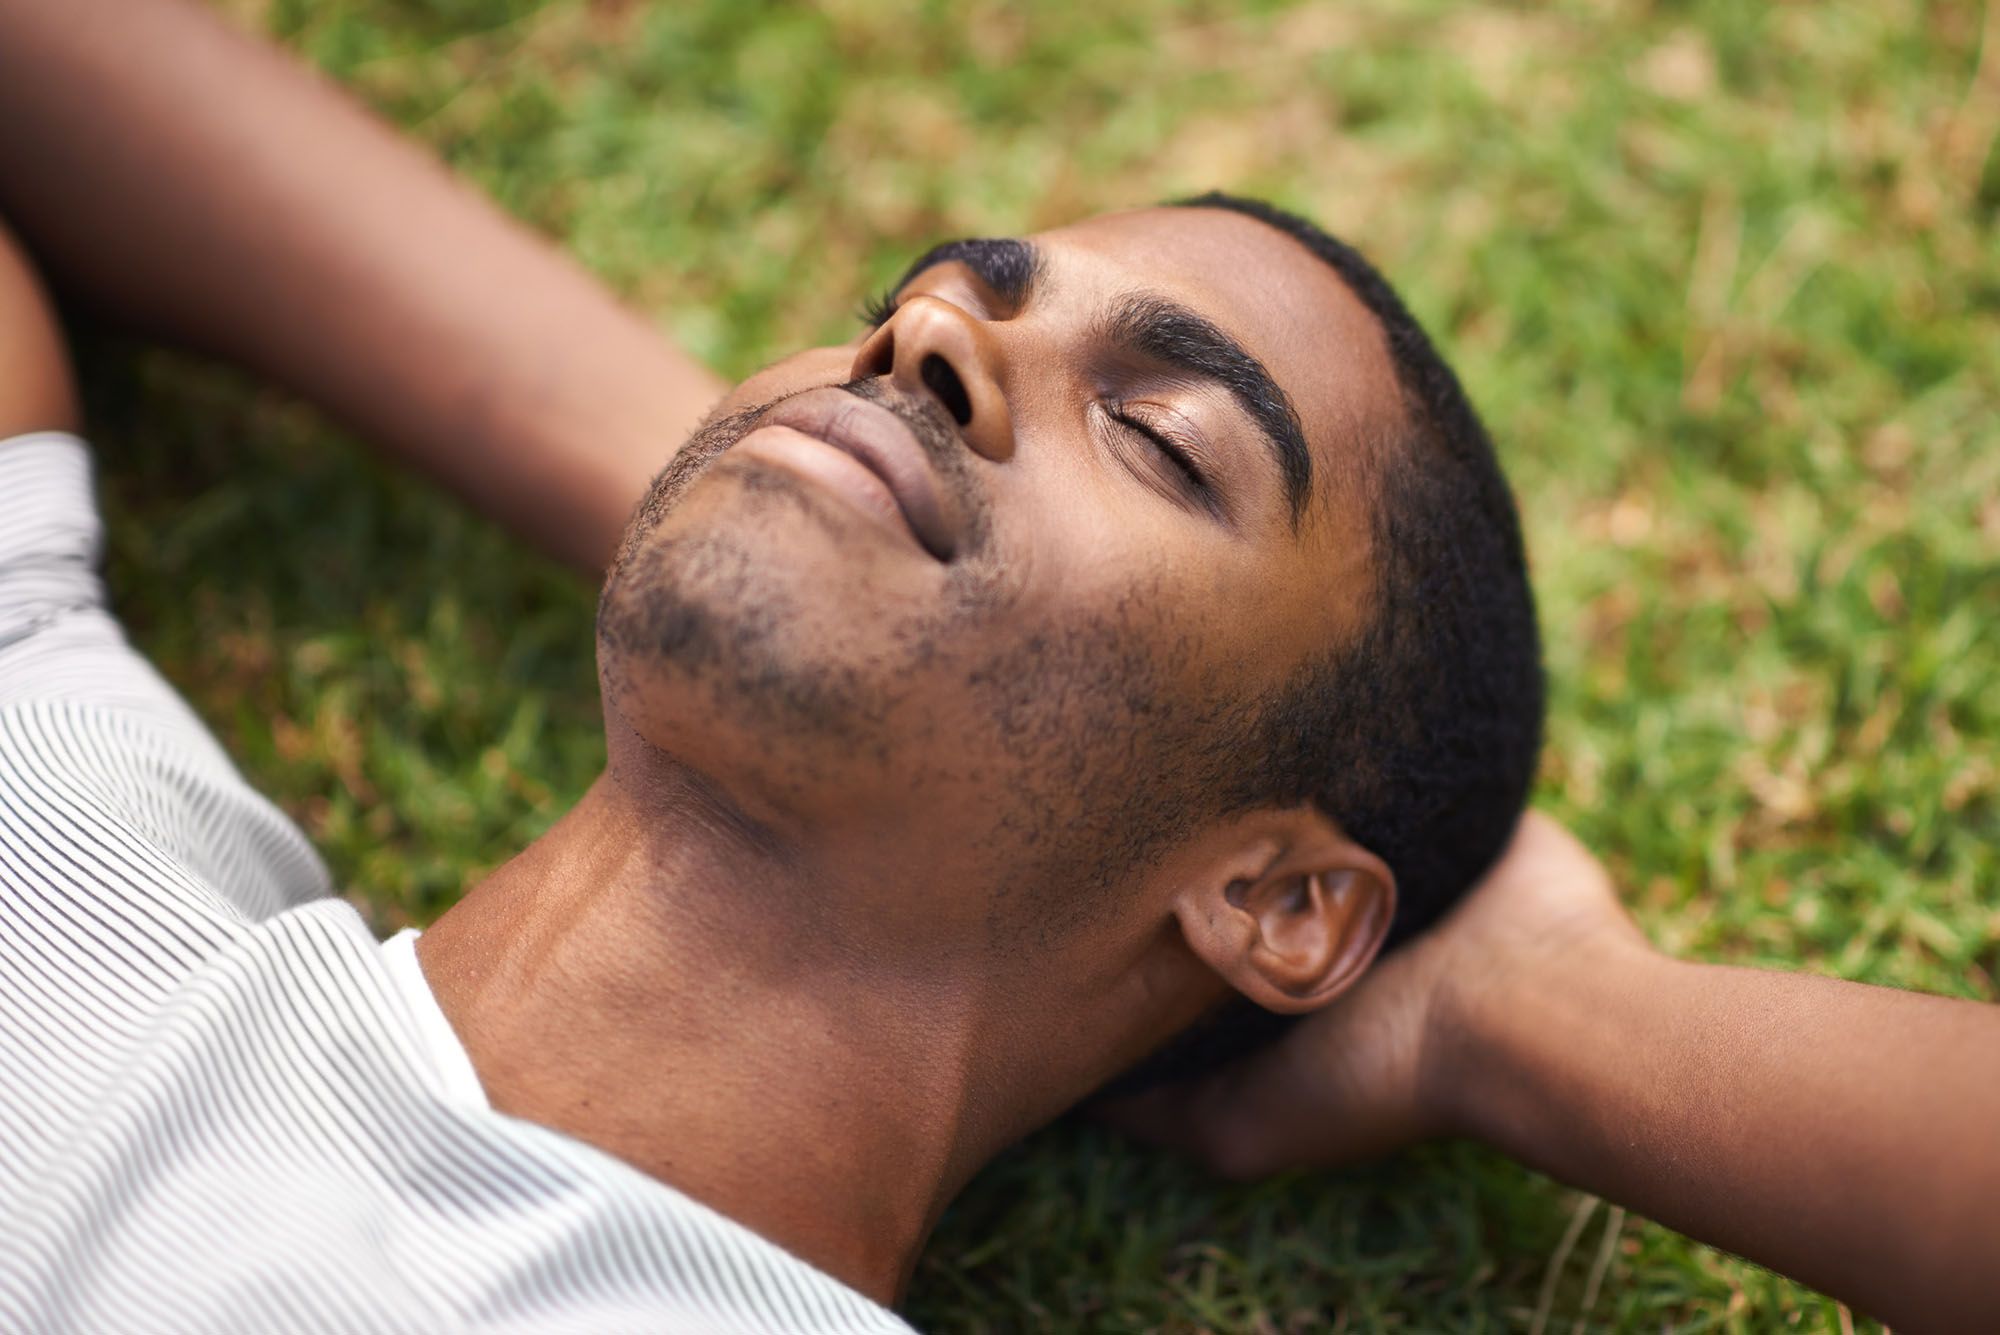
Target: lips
[{"x": 882, "y": 443}]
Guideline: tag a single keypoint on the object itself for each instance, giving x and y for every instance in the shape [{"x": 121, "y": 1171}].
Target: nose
[{"x": 932, "y": 349}]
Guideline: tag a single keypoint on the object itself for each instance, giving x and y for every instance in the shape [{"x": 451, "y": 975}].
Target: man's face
[{"x": 969, "y": 608}]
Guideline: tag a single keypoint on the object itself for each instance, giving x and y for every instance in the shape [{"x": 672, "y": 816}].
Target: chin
[
  {"x": 781, "y": 644},
  {"x": 727, "y": 645}
]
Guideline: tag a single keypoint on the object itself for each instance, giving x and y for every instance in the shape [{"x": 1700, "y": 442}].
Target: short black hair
[{"x": 1420, "y": 736}]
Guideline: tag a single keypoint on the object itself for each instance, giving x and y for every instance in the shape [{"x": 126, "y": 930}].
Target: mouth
[{"x": 883, "y": 444}]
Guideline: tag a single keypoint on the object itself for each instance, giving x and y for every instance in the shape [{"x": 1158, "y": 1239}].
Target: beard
[
  {"x": 706, "y": 604},
  {"x": 927, "y": 421},
  {"x": 1080, "y": 722}
]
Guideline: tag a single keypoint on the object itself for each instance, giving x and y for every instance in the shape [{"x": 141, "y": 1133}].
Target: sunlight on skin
[{"x": 1738, "y": 441}]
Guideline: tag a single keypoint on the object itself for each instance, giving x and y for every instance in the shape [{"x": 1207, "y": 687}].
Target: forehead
[{"x": 1285, "y": 305}]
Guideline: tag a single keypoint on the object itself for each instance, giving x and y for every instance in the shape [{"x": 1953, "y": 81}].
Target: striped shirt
[{"x": 224, "y": 1106}]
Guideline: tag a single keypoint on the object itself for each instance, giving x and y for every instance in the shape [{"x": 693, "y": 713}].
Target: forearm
[
  {"x": 281, "y": 227},
  {"x": 1845, "y": 1135},
  {"x": 36, "y": 393}
]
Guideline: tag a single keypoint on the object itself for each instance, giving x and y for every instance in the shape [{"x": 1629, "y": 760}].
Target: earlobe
[{"x": 1301, "y": 931}]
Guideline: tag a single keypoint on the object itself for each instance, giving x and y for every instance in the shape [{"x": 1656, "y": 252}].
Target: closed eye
[{"x": 1170, "y": 449}]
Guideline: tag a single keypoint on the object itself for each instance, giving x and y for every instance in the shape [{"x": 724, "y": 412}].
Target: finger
[
  {"x": 1203, "y": 1119},
  {"x": 1227, "y": 1122},
  {"x": 1249, "y": 1115},
  {"x": 1162, "y": 1116}
]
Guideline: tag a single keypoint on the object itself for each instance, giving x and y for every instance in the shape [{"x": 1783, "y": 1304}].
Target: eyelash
[
  {"x": 1165, "y": 445},
  {"x": 876, "y": 310}
]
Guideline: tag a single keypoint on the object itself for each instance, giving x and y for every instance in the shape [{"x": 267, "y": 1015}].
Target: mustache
[
  {"x": 926, "y": 417},
  {"x": 936, "y": 433},
  {"x": 946, "y": 449}
]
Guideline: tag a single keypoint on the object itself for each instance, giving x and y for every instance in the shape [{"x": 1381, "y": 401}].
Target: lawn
[{"x": 1724, "y": 278}]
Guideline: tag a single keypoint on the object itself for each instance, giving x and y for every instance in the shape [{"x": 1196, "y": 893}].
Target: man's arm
[
  {"x": 36, "y": 391},
  {"x": 201, "y": 187},
  {"x": 1846, "y": 1135}
]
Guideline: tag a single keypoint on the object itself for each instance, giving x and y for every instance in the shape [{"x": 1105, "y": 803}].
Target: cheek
[
  {"x": 1089, "y": 543},
  {"x": 1193, "y": 598}
]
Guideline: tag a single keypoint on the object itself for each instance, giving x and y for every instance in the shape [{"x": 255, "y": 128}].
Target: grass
[{"x": 1724, "y": 278}]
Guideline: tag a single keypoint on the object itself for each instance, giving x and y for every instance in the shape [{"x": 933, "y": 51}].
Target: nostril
[{"x": 942, "y": 381}]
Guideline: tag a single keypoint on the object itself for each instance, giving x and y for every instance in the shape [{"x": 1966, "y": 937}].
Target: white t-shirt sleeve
[{"x": 88, "y": 722}]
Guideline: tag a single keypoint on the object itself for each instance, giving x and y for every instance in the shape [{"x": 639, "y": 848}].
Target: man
[
  {"x": 935, "y": 794},
  {"x": 1127, "y": 633}
]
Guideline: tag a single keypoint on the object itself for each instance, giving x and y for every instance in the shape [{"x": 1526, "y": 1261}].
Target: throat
[{"x": 625, "y": 981}]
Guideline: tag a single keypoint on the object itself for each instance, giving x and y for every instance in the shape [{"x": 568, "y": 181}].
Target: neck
[{"x": 650, "y": 980}]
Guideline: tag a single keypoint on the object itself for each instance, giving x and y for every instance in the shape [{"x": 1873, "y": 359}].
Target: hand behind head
[{"x": 1368, "y": 1075}]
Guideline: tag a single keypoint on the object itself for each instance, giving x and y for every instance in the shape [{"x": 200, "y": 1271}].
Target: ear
[{"x": 1292, "y": 914}]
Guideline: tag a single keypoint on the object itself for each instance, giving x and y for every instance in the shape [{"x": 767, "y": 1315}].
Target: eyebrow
[
  {"x": 1007, "y": 265},
  {"x": 1167, "y": 332},
  {"x": 1159, "y": 330}
]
